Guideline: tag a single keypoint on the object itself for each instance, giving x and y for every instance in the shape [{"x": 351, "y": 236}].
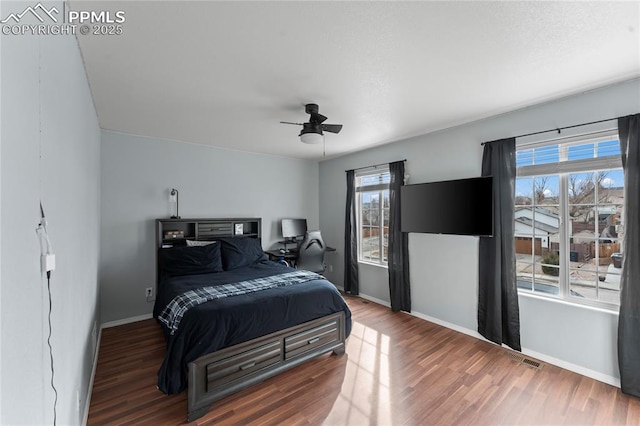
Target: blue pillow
[
  {"x": 187, "y": 260},
  {"x": 239, "y": 252}
]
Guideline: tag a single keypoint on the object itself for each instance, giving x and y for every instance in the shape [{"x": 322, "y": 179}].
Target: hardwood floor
[{"x": 397, "y": 369}]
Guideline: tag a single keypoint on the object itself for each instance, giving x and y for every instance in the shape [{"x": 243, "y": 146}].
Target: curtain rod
[
  {"x": 375, "y": 165},
  {"x": 559, "y": 129}
]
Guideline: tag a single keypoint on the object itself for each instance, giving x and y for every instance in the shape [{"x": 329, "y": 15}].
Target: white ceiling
[{"x": 226, "y": 73}]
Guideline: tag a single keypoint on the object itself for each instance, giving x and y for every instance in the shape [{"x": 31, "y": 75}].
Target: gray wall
[
  {"x": 137, "y": 173},
  {"x": 444, "y": 268},
  {"x": 50, "y": 153}
]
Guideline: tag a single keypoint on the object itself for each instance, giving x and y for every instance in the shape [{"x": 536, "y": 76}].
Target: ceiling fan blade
[
  {"x": 317, "y": 118},
  {"x": 333, "y": 128},
  {"x": 289, "y": 122}
]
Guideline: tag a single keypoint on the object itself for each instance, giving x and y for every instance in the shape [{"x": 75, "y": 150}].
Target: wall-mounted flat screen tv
[{"x": 459, "y": 207}]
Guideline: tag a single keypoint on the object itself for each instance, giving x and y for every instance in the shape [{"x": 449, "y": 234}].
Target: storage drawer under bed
[
  {"x": 308, "y": 340},
  {"x": 221, "y": 373},
  {"x": 241, "y": 364}
]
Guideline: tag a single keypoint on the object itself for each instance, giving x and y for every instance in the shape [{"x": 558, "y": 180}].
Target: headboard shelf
[{"x": 170, "y": 232}]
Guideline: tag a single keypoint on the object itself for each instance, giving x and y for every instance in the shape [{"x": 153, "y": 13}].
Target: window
[
  {"x": 569, "y": 220},
  {"x": 372, "y": 204}
]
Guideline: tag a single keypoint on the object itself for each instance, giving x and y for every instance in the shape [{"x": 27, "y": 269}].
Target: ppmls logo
[
  {"x": 93, "y": 22},
  {"x": 38, "y": 11}
]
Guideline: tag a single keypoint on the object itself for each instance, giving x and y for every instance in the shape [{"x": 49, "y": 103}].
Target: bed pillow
[
  {"x": 239, "y": 252},
  {"x": 197, "y": 243},
  {"x": 187, "y": 260}
]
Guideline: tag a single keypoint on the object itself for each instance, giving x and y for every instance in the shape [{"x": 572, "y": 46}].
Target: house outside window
[
  {"x": 372, "y": 203},
  {"x": 569, "y": 219}
]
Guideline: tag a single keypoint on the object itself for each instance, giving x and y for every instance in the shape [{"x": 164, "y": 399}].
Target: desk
[
  {"x": 291, "y": 256},
  {"x": 275, "y": 255}
]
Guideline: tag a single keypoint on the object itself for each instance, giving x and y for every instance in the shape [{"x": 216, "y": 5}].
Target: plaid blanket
[{"x": 175, "y": 310}]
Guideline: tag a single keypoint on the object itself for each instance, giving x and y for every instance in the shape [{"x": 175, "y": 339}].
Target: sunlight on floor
[{"x": 365, "y": 396}]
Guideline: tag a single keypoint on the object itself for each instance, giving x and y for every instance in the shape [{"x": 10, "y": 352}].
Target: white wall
[
  {"x": 444, "y": 268},
  {"x": 137, "y": 174},
  {"x": 50, "y": 154}
]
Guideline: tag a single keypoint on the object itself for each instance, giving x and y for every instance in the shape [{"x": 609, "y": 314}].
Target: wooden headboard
[{"x": 174, "y": 232}]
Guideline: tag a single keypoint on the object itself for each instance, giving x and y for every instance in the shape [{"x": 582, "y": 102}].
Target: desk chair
[{"x": 311, "y": 252}]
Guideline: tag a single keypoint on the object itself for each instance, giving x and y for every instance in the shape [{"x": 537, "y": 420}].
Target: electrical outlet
[
  {"x": 330, "y": 268},
  {"x": 149, "y": 294}
]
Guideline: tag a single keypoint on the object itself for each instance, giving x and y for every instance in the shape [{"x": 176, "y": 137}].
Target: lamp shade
[{"x": 311, "y": 138}]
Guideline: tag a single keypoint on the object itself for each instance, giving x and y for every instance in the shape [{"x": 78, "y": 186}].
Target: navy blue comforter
[{"x": 225, "y": 322}]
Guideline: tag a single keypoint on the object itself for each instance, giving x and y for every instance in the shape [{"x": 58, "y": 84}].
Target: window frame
[
  {"x": 563, "y": 169},
  {"x": 380, "y": 189}
]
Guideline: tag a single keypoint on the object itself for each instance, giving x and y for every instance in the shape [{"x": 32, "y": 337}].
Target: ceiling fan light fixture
[
  {"x": 311, "y": 138},
  {"x": 312, "y": 131}
]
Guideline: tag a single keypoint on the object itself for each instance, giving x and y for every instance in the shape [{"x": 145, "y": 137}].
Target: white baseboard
[
  {"x": 109, "y": 324},
  {"x": 126, "y": 321},
  {"x": 375, "y": 300},
  {"x": 87, "y": 402},
  {"x": 596, "y": 375},
  {"x": 449, "y": 325}
]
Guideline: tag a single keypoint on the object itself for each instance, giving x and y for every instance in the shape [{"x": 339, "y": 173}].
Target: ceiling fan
[{"x": 312, "y": 131}]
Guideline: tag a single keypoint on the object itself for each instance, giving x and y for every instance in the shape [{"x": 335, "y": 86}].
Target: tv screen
[
  {"x": 292, "y": 228},
  {"x": 459, "y": 207}
]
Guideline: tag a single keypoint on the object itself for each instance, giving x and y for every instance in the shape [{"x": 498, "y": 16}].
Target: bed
[{"x": 232, "y": 318}]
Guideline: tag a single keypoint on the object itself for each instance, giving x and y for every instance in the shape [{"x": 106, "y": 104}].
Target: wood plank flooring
[{"x": 397, "y": 369}]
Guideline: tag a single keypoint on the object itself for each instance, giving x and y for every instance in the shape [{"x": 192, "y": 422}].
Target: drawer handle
[
  {"x": 312, "y": 341},
  {"x": 247, "y": 365}
]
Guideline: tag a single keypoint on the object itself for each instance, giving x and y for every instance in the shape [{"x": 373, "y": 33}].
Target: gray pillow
[{"x": 194, "y": 243}]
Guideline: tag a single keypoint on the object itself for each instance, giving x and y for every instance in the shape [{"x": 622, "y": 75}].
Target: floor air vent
[
  {"x": 521, "y": 359},
  {"x": 532, "y": 363}
]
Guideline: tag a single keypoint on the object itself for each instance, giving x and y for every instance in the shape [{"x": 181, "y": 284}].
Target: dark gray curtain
[
  {"x": 398, "y": 255},
  {"x": 351, "y": 238},
  {"x": 629, "y": 319},
  {"x": 498, "y": 311}
]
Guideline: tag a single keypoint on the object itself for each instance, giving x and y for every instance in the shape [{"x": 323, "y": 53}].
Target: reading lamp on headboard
[{"x": 173, "y": 198}]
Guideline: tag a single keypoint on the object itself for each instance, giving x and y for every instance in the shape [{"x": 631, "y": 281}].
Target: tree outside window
[{"x": 569, "y": 221}]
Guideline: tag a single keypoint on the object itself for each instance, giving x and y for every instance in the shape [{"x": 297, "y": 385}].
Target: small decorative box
[{"x": 173, "y": 234}]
